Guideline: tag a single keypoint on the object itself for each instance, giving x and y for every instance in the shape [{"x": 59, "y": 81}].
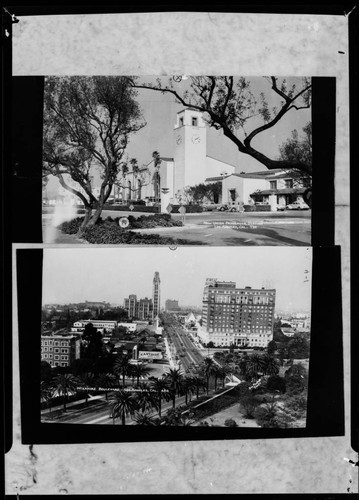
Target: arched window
[
  {"x": 129, "y": 186},
  {"x": 139, "y": 188}
]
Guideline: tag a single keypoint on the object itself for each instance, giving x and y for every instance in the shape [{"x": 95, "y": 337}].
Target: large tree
[
  {"x": 230, "y": 104},
  {"x": 87, "y": 125},
  {"x": 298, "y": 148}
]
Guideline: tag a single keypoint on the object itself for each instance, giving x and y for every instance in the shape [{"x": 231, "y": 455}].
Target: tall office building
[
  {"x": 156, "y": 295},
  {"x": 131, "y": 306},
  {"x": 239, "y": 316},
  {"x": 144, "y": 309}
]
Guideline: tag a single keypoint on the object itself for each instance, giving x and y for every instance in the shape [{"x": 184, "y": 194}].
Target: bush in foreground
[
  {"x": 109, "y": 232},
  {"x": 229, "y": 422}
]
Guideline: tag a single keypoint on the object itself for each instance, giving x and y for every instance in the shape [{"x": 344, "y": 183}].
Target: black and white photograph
[
  {"x": 185, "y": 160},
  {"x": 193, "y": 337},
  {"x": 178, "y": 277}
]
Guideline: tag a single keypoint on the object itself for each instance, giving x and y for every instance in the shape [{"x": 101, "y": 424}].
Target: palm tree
[
  {"x": 223, "y": 371},
  {"x": 199, "y": 382},
  {"x": 46, "y": 393},
  {"x": 122, "y": 366},
  {"x": 156, "y": 177},
  {"x": 161, "y": 387},
  {"x": 144, "y": 419},
  {"x": 123, "y": 404},
  {"x": 208, "y": 368},
  {"x": 188, "y": 387},
  {"x": 107, "y": 381},
  {"x": 64, "y": 384},
  {"x": 216, "y": 372},
  {"x": 146, "y": 399},
  {"x": 174, "y": 379},
  {"x": 254, "y": 366},
  {"x": 270, "y": 365},
  {"x": 140, "y": 371},
  {"x": 87, "y": 379}
]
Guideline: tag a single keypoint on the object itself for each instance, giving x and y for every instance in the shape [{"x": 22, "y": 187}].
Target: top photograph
[{"x": 180, "y": 160}]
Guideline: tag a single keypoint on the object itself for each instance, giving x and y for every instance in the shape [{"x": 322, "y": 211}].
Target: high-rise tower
[{"x": 156, "y": 295}]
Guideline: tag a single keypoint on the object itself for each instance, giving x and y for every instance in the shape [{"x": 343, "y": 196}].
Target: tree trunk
[
  {"x": 86, "y": 219},
  {"x": 159, "y": 405},
  {"x": 96, "y": 215},
  {"x": 123, "y": 419}
]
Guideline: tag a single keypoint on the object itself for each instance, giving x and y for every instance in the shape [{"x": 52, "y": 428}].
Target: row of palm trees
[{"x": 148, "y": 396}]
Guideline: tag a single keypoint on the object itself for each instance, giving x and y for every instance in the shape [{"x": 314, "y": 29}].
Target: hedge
[
  {"x": 72, "y": 226},
  {"x": 151, "y": 221},
  {"x": 138, "y": 208},
  {"x": 109, "y": 232},
  {"x": 190, "y": 209},
  {"x": 257, "y": 208}
]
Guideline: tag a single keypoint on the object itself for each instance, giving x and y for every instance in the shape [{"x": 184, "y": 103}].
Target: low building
[
  {"x": 59, "y": 350},
  {"x": 131, "y": 327},
  {"x": 97, "y": 323},
  {"x": 276, "y": 188}
]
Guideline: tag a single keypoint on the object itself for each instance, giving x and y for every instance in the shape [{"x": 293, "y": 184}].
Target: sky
[
  {"x": 160, "y": 110},
  {"x": 107, "y": 274}
]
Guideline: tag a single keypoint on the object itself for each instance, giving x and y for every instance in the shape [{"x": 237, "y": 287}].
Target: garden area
[{"x": 108, "y": 231}]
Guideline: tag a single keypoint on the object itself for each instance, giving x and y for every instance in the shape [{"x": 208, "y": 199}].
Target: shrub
[
  {"x": 297, "y": 404},
  {"x": 151, "y": 221},
  {"x": 257, "y": 208},
  {"x": 190, "y": 209},
  {"x": 138, "y": 208},
  {"x": 276, "y": 383},
  {"x": 229, "y": 422},
  {"x": 71, "y": 226},
  {"x": 248, "y": 405},
  {"x": 109, "y": 232}
]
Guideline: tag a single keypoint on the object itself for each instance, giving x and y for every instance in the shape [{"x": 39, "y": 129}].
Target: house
[{"x": 276, "y": 188}]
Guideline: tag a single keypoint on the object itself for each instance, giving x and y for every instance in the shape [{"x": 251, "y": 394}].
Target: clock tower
[{"x": 189, "y": 149}]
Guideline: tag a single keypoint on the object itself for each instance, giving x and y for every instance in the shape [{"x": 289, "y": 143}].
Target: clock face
[
  {"x": 196, "y": 139},
  {"x": 179, "y": 139}
]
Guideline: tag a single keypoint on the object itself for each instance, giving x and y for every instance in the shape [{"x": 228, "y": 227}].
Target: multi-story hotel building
[
  {"x": 239, "y": 316},
  {"x": 156, "y": 295},
  {"x": 60, "y": 350}
]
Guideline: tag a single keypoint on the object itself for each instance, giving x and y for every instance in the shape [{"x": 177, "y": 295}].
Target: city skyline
[{"x": 183, "y": 273}]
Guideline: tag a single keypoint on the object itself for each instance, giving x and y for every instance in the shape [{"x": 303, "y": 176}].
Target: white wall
[{"x": 214, "y": 167}]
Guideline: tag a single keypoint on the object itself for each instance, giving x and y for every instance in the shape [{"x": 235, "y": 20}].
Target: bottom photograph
[{"x": 188, "y": 336}]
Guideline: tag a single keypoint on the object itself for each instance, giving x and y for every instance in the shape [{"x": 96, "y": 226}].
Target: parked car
[
  {"x": 210, "y": 206},
  {"x": 297, "y": 205},
  {"x": 228, "y": 208}
]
